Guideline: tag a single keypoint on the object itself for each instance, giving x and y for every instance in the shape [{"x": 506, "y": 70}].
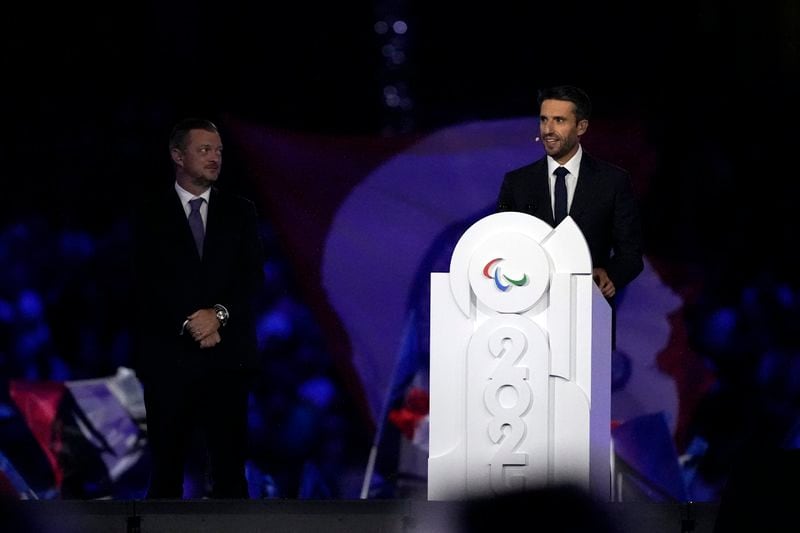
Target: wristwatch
[{"x": 222, "y": 314}]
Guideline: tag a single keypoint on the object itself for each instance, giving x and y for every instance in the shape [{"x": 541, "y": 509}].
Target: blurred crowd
[{"x": 64, "y": 317}]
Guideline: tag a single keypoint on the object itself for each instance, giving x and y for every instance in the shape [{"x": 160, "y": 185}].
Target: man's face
[
  {"x": 559, "y": 129},
  {"x": 201, "y": 161}
]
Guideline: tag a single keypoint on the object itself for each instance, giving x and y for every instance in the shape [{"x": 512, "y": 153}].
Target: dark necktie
[
  {"x": 560, "y": 195},
  {"x": 196, "y": 224}
]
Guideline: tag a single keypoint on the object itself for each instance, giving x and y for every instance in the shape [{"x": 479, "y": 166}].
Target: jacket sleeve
[
  {"x": 626, "y": 261},
  {"x": 505, "y": 200},
  {"x": 248, "y": 276}
]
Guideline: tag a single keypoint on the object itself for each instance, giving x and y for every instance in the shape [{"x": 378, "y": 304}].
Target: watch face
[{"x": 221, "y": 314}]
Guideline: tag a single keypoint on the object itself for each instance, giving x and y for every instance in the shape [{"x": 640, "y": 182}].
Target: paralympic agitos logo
[{"x": 493, "y": 270}]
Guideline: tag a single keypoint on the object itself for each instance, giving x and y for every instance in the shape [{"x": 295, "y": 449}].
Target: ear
[
  {"x": 177, "y": 156},
  {"x": 583, "y": 125}
]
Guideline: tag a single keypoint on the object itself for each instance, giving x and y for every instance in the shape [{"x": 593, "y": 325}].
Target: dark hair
[
  {"x": 569, "y": 93},
  {"x": 180, "y": 133}
]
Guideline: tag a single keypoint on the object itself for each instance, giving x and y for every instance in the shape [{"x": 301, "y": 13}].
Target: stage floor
[{"x": 299, "y": 516}]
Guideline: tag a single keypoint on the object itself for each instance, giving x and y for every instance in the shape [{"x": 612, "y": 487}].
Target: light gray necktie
[{"x": 196, "y": 224}]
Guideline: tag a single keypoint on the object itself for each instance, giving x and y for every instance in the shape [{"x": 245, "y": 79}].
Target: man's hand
[
  {"x": 605, "y": 284},
  {"x": 211, "y": 341},
  {"x": 202, "y": 324}
]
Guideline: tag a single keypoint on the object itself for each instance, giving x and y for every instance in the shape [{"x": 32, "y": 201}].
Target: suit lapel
[
  {"x": 542, "y": 206},
  {"x": 181, "y": 224},
  {"x": 584, "y": 188},
  {"x": 214, "y": 224}
]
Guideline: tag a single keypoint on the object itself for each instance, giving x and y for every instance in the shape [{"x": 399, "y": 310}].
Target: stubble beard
[
  {"x": 205, "y": 180},
  {"x": 560, "y": 150}
]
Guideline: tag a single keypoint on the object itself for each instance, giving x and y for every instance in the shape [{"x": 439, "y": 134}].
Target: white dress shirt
[
  {"x": 185, "y": 196},
  {"x": 571, "y": 179}
]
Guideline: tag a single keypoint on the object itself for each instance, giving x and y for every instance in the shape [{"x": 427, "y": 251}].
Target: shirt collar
[
  {"x": 573, "y": 165},
  {"x": 185, "y": 195}
]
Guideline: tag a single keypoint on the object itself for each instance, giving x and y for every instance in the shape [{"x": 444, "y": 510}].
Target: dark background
[{"x": 89, "y": 95}]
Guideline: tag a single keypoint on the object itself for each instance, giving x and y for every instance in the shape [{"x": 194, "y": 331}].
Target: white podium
[{"x": 520, "y": 369}]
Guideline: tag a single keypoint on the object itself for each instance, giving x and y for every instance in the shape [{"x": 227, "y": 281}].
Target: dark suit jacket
[
  {"x": 603, "y": 207},
  {"x": 173, "y": 282}
]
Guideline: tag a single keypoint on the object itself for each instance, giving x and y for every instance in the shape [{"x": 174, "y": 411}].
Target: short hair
[
  {"x": 180, "y": 133},
  {"x": 569, "y": 93}
]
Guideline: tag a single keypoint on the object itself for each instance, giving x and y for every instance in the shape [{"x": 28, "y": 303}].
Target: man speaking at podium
[{"x": 568, "y": 181}]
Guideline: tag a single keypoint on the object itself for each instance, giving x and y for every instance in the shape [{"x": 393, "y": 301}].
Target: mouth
[{"x": 551, "y": 144}]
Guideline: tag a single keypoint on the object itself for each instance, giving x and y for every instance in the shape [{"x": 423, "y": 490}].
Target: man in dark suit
[
  {"x": 596, "y": 194},
  {"x": 198, "y": 263}
]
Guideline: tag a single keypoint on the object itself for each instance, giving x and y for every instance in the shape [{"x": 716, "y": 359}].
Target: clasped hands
[{"x": 204, "y": 327}]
